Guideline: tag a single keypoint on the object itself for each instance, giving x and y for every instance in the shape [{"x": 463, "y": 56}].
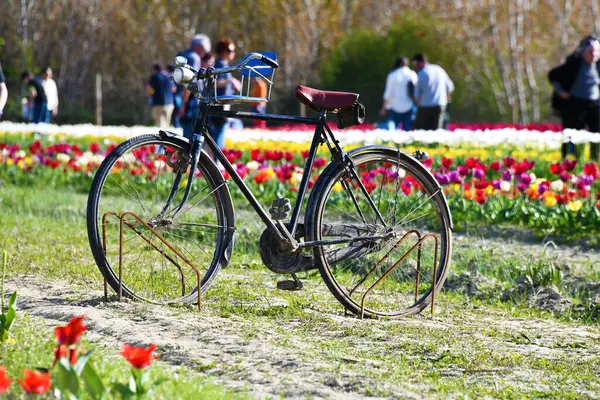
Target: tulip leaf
[
  {"x": 123, "y": 390},
  {"x": 65, "y": 378},
  {"x": 8, "y": 318},
  {"x": 81, "y": 362},
  {"x": 92, "y": 382}
]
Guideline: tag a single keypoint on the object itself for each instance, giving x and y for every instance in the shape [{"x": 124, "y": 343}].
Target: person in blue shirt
[
  {"x": 160, "y": 89},
  {"x": 226, "y": 85},
  {"x": 432, "y": 94},
  {"x": 199, "y": 46}
]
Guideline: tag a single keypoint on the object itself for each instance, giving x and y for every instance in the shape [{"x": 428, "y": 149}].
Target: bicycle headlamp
[{"x": 183, "y": 75}]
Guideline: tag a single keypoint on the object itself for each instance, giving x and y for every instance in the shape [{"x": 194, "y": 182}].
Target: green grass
[{"x": 474, "y": 346}]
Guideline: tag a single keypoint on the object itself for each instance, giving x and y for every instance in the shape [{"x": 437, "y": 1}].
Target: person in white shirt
[
  {"x": 398, "y": 103},
  {"x": 51, "y": 93}
]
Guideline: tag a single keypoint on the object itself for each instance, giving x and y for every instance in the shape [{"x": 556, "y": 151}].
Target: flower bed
[
  {"x": 545, "y": 135},
  {"x": 530, "y": 187}
]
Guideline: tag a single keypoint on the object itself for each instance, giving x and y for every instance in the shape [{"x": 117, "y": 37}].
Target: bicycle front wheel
[
  {"x": 386, "y": 233},
  {"x": 137, "y": 236}
]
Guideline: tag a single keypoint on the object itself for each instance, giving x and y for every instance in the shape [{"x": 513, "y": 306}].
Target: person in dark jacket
[
  {"x": 38, "y": 101},
  {"x": 577, "y": 91}
]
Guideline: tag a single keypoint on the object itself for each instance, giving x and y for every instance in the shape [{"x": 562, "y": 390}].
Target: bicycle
[{"x": 376, "y": 225}]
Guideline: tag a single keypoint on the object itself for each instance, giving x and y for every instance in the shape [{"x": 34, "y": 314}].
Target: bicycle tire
[
  {"x": 218, "y": 188},
  {"x": 318, "y": 201}
]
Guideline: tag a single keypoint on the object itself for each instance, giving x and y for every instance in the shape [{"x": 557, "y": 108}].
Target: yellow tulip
[
  {"x": 575, "y": 206},
  {"x": 337, "y": 187},
  {"x": 550, "y": 200}
]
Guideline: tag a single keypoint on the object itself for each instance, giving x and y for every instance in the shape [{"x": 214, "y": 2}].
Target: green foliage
[
  {"x": 71, "y": 381},
  {"x": 363, "y": 59},
  {"x": 543, "y": 274},
  {"x": 6, "y": 318}
]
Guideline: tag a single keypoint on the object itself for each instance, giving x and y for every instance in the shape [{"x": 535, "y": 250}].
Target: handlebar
[{"x": 184, "y": 73}]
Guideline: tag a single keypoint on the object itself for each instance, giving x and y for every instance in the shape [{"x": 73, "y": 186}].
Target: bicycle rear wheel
[
  {"x": 385, "y": 257},
  {"x": 158, "y": 248}
]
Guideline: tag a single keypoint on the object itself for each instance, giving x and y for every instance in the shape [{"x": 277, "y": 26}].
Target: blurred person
[
  {"x": 432, "y": 93},
  {"x": 51, "y": 94},
  {"x": 208, "y": 60},
  {"x": 577, "y": 91},
  {"x": 160, "y": 89},
  {"x": 226, "y": 85},
  {"x": 3, "y": 92},
  {"x": 177, "y": 98},
  {"x": 199, "y": 46},
  {"x": 259, "y": 89},
  {"x": 398, "y": 95},
  {"x": 38, "y": 102}
]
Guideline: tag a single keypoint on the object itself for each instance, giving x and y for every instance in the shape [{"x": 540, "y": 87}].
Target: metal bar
[
  {"x": 243, "y": 187},
  {"x": 418, "y": 279},
  {"x": 434, "y": 274},
  {"x": 384, "y": 258},
  {"x": 317, "y": 137},
  {"x": 104, "y": 247},
  {"x": 173, "y": 249},
  {"x": 388, "y": 272},
  {"x": 149, "y": 241},
  {"x": 120, "y": 257},
  {"x": 197, "y": 142},
  {"x": 214, "y": 111},
  {"x": 347, "y": 240}
]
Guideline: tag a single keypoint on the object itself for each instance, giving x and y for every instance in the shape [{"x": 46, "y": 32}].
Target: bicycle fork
[{"x": 197, "y": 144}]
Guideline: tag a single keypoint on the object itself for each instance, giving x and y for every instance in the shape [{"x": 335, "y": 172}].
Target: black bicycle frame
[
  {"x": 322, "y": 135},
  {"x": 318, "y": 138}
]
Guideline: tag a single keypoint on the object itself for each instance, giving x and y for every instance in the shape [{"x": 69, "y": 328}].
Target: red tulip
[
  {"x": 495, "y": 165},
  {"x": 35, "y": 382},
  {"x": 4, "y": 381},
  {"x": 447, "y": 162},
  {"x": 139, "y": 357},
  {"x": 320, "y": 162},
  {"x": 556, "y": 168},
  {"x": 569, "y": 165},
  {"x": 508, "y": 162},
  {"x": 94, "y": 147},
  {"x": 591, "y": 169},
  {"x": 256, "y": 156},
  {"x": 69, "y": 334}
]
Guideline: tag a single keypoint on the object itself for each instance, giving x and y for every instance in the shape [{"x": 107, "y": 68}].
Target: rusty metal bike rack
[
  {"x": 417, "y": 246},
  {"x": 123, "y": 223}
]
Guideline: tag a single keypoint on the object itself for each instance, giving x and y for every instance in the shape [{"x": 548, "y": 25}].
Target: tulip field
[
  {"x": 517, "y": 318},
  {"x": 523, "y": 186}
]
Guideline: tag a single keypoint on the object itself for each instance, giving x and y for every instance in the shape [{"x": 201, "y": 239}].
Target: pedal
[
  {"x": 420, "y": 155},
  {"x": 290, "y": 284},
  {"x": 280, "y": 209}
]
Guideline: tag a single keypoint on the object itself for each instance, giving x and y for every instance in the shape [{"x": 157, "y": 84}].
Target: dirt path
[{"x": 331, "y": 357}]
